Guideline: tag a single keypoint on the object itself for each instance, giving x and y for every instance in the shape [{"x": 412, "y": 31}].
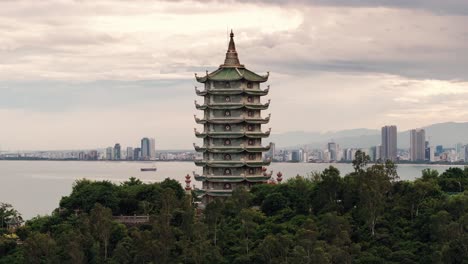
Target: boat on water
[{"x": 149, "y": 168}]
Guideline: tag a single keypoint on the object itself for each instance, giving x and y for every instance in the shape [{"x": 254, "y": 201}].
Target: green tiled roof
[{"x": 233, "y": 74}]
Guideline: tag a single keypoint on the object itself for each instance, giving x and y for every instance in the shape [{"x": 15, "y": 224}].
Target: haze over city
[{"x": 81, "y": 74}]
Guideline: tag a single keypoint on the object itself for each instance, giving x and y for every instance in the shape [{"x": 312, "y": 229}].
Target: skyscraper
[
  {"x": 148, "y": 151},
  {"x": 109, "y": 153},
  {"x": 137, "y": 154},
  {"x": 332, "y": 149},
  {"x": 417, "y": 145},
  {"x": 389, "y": 143},
  {"x": 130, "y": 154},
  {"x": 117, "y": 152},
  {"x": 145, "y": 148},
  {"x": 152, "y": 149},
  {"x": 232, "y": 128}
]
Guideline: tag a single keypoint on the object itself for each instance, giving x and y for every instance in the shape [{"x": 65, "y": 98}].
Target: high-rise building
[
  {"x": 439, "y": 150},
  {"x": 129, "y": 154},
  {"x": 466, "y": 153},
  {"x": 137, "y": 154},
  {"x": 148, "y": 151},
  {"x": 93, "y": 155},
  {"x": 389, "y": 143},
  {"x": 152, "y": 149},
  {"x": 117, "y": 152},
  {"x": 297, "y": 155},
  {"x": 109, "y": 153},
  {"x": 272, "y": 152},
  {"x": 432, "y": 152},
  {"x": 232, "y": 136},
  {"x": 460, "y": 151},
  {"x": 332, "y": 149},
  {"x": 417, "y": 145},
  {"x": 373, "y": 153}
]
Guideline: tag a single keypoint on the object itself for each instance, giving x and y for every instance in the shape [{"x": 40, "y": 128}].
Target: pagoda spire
[{"x": 232, "y": 59}]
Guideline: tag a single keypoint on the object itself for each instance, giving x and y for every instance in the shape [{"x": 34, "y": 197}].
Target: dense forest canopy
[{"x": 368, "y": 216}]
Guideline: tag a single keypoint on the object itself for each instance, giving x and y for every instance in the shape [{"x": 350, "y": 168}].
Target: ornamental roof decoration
[
  {"x": 232, "y": 70},
  {"x": 232, "y": 58}
]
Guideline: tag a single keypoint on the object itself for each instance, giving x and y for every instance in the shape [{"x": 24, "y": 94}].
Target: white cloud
[{"x": 332, "y": 67}]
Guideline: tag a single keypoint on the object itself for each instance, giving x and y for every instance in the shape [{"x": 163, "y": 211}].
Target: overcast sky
[{"x": 86, "y": 74}]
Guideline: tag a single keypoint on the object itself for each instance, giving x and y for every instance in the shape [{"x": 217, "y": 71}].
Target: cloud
[{"x": 91, "y": 73}]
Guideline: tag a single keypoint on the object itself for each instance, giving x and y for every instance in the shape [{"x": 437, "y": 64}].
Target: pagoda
[{"x": 232, "y": 128}]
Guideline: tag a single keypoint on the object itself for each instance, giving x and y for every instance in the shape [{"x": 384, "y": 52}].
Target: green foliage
[{"x": 367, "y": 216}]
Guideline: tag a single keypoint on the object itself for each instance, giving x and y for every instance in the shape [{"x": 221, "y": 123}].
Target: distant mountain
[{"x": 446, "y": 134}]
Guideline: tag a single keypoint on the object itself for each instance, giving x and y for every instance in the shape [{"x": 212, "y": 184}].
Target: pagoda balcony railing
[
  {"x": 232, "y": 134},
  {"x": 239, "y": 119},
  {"x": 232, "y": 91},
  {"x": 230, "y": 105},
  {"x": 232, "y": 163},
  {"x": 233, "y": 149},
  {"x": 234, "y": 178}
]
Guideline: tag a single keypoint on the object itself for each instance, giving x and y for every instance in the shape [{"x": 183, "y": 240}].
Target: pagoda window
[
  {"x": 251, "y": 142},
  {"x": 227, "y": 157},
  {"x": 227, "y": 142},
  {"x": 252, "y": 156},
  {"x": 227, "y": 172},
  {"x": 249, "y": 85},
  {"x": 227, "y": 186},
  {"x": 227, "y": 99},
  {"x": 250, "y": 99},
  {"x": 227, "y": 85},
  {"x": 227, "y": 128},
  {"x": 227, "y": 113},
  {"x": 250, "y": 127},
  {"x": 250, "y": 113},
  {"x": 251, "y": 171}
]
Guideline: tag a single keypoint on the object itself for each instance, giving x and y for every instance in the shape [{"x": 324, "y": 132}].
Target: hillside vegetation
[{"x": 368, "y": 216}]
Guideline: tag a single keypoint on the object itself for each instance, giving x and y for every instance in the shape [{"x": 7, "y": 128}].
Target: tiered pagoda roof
[{"x": 232, "y": 87}]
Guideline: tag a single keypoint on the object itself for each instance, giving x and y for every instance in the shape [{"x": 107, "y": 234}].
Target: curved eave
[
  {"x": 232, "y": 150},
  {"x": 232, "y": 92},
  {"x": 233, "y": 106},
  {"x": 233, "y": 179},
  {"x": 232, "y": 164},
  {"x": 236, "y": 73},
  {"x": 232, "y": 135},
  {"x": 233, "y": 120}
]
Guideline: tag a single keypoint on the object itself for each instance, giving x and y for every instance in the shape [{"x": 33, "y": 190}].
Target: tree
[
  {"x": 101, "y": 225},
  {"x": 360, "y": 161},
  {"x": 374, "y": 185},
  {"x": 273, "y": 203},
  {"x": 40, "y": 248},
  {"x": 8, "y": 215},
  {"x": 328, "y": 190}
]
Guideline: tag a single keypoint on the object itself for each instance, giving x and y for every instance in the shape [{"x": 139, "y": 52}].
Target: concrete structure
[
  {"x": 333, "y": 150},
  {"x": 297, "y": 155},
  {"x": 129, "y": 153},
  {"x": 389, "y": 143},
  {"x": 137, "y": 154},
  {"x": 148, "y": 151},
  {"x": 109, "y": 153},
  {"x": 432, "y": 152},
  {"x": 417, "y": 145},
  {"x": 117, "y": 152},
  {"x": 232, "y": 128}
]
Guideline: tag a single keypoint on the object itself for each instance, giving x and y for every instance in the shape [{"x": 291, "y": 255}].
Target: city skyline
[{"x": 75, "y": 78}]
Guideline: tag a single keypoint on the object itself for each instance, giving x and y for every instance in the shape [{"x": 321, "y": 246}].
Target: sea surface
[{"x": 35, "y": 187}]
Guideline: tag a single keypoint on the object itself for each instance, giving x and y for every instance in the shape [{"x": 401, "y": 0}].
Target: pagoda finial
[{"x": 232, "y": 59}]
